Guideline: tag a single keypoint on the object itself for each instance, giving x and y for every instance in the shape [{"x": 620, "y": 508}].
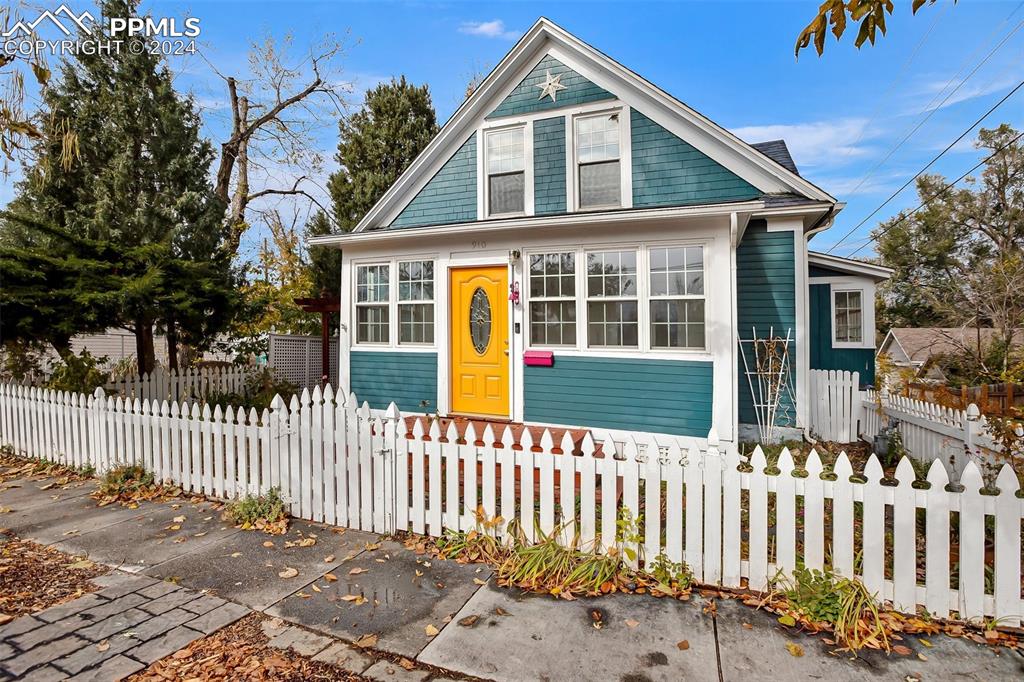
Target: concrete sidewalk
[{"x": 379, "y": 587}]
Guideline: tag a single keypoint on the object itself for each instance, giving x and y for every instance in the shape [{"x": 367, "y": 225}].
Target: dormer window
[
  {"x": 597, "y": 160},
  {"x": 506, "y": 172}
]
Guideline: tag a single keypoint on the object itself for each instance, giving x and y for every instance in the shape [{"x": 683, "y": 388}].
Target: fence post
[
  {"x": 98, "y": 426},
  {"x": 391, "y": 420},
  {"x": 972, "y": 427}
]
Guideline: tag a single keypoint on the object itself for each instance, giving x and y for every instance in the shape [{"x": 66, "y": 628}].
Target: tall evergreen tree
[
  {"x": 377, "y": 144},
  {"x": 140, "y": 182}
]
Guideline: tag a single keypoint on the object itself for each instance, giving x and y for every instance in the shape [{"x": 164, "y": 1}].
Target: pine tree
[
  {"x": 139, "y": 192},
  {"x": 377, "y": 144}
]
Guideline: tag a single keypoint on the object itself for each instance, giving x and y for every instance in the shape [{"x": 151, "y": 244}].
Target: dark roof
[
  {"x": 777, "y": 151},
  {"x": 779, "y": 200}
]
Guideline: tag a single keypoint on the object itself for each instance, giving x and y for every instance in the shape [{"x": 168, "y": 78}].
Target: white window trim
[
  {"x": 837, "y": 289},
  {"x": 680, "y": 297},
  {"x": 432, "y": 302},
  {"x": 640, "y": 252},
  {"x": 392, "y": 303},
  {"x": 574, "y": 298},
  {"x": 625, "y": 158},
  {"x": 643, "y": 349},
  {"x": 483, "y": 186}
]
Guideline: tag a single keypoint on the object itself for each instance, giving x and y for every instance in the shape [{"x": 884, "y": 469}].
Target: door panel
[{"x": 480, "y": 341}]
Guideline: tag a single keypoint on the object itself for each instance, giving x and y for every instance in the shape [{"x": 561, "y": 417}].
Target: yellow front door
[{"x": 479, "y": 341}]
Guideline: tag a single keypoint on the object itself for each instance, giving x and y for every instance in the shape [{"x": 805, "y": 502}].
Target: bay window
[
  {"x": 506, "y": 172},
  {"x": 612, "y": 308},
  {"x": 553, "y": 299},
  {"x": 597, "y": 161},
  {"x": 372, "y": 298}
]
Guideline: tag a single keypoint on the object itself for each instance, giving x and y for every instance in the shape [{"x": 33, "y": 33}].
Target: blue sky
[{"x": 841, "y": 114}]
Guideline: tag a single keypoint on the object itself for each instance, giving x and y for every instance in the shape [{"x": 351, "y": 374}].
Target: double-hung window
[
  {"x": 848, "y": 309},
  {"x": 506, "y": 172},
  {"x": 372, "y": 300},
  {"x": 416, "y": 302},
  {"x": 597, "y": 161},
  {"x": 553, "y": 299},
  {"x": 612, "y": 307},
  {"x": 677, "y": 297}
]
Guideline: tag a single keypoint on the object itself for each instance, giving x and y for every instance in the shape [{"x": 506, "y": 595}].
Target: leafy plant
[
  {"x": 131, "y": 484},
  {"x": 79, "y": 374},
  {"x": 843, "y": 603},
  {"x": 261, "y": 512},
  {"x": 670, "y": 573}
]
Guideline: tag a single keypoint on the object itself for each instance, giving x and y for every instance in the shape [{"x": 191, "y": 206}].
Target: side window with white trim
[
  {"x": 677, "y": 297},
  {"x": 598, "y": 176},
  {"x": 612, "y": 307},
  {"x": 848, "y": 308},
  {"x": 372, "y": 298},
  {"x": 553, "y": 299},
  {"x": 506, "y": 171},
  {"x": 415, "y": 302}
]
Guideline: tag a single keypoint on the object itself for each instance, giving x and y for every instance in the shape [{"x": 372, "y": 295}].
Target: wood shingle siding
[
  {"x": 525, "y": 97},
  {"x": 819, "y": 329},
  {"x": 765, "y": 298},
  {"x": 661, "y": 396},
  {"x": 670, "y": 172},
  {"x": 549, "y": 166},
  {"x": 408, "y": 379},
  {"x": 449, "y": 197}
]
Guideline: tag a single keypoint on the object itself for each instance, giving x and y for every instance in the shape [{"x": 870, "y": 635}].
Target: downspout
[{"x": 820, "y": 225}]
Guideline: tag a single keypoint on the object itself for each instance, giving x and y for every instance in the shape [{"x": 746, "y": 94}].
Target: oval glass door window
[{"x": 480, "y": 320}]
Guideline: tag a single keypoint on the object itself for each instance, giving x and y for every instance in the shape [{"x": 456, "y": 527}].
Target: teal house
[{"x": 578, "y": 247}]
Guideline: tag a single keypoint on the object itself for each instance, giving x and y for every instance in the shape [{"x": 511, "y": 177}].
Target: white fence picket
[{"x": 339, "y": 462}]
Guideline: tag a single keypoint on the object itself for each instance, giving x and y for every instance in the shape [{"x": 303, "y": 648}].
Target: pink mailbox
[{"x": 539, "y": 358}]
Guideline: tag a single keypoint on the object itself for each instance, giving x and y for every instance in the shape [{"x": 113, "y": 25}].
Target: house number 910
[{"x": 479, "y": 244}]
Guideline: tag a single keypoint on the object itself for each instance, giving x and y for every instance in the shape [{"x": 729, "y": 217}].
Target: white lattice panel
[{"x": 297, "y": 359}]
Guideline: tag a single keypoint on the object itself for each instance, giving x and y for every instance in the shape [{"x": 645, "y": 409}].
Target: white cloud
[
  {"x": 964, "y": 93},
  {"x": 817, "y": 143},
  {"x": 488, "y": 29}
]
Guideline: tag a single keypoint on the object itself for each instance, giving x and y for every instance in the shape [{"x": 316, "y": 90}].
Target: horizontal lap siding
[
  {"x": 661, "y": 396},
  {"x": 549, "y": 166},
  {"x": 765, "y": 299},
  {"x": 449, "y": 197},
  {"x": 408, "y": 379},
  {"x": 823, "y": 355},
  {"x": 526, "y": 96},
  {"x": 670, "y": 172}
]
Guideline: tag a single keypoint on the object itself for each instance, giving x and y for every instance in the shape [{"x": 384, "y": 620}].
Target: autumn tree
[
  {"x": 869, "y": 13},
  {"x": 959, "y": 260}
]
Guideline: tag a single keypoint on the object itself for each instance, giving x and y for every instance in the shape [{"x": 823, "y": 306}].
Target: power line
[
  {"x": 932, "y": 107},
  {"x": 936, "y": 195},
  {"x": 927, "y": 166}
]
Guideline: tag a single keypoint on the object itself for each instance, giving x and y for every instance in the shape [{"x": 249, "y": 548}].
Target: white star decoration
[{"x": 550, "y": 86}]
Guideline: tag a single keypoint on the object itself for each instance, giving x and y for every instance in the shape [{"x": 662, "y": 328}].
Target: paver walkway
[{"x": 514, "y": 635}]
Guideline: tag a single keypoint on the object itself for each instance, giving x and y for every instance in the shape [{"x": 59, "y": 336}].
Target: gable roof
[
  {"x": 763, "y": 171},
  {"x": 920, "y": 344},
  {"x": 777, "y": 151},
  {"x": 849, "y": 266}
]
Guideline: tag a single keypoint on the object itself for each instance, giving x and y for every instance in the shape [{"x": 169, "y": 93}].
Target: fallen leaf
[
  {"x": 5, "y": 510},
  {"x": 288, "y": 572},
  {"x": 477, "y": 581},
  {"x": 632, "y": 623},
  {"x": 407, "y": 664},
  {"x": 430, "y": 630},
  {"x": 315, "y": 588},
  {"x": 306, "y": 542},
  {"x": 268, "y": 543},
  {"x": 178, "y": 519},
  {"x": 922, "y": 657},
  {"x": 469, "y": 621},
  {"x": 103, "y": 646},
  {"x": 330, "y": 577},
  {"x": 501, "y": 612},
  {"x": 747, "y": 626},
  {"x": 925, "y": 642},
  {"x": 788, "y": 621},
  {"x": 357, "y": 571},
  {"x": 199, "y": 535},
  {"x": 182, "y": 653},
  {"x": 303, "y": 595},
  {"x": 902, "y": 650},
  {"x": 328, "y": 559},
  {"x": 84, "y": 563},
  {"x": 683, "y": 645},
  {"x": 235, "y": 555},
  {"x": 795, "y": 650},
  {"x": 366, "y": 641}
]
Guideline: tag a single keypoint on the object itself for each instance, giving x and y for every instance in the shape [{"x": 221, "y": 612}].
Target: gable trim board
[{"x": 545, "y": 38}]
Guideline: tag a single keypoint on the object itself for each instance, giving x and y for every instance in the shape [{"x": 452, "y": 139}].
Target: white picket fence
[
  {"x": 187, "y": 384},
  {"x": 931, "y": 431},
  {"x": 835, "y": 405},
  {"x": 339, "y": 463}
]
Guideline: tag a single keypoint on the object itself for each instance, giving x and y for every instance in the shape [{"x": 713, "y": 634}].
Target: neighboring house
[
  {"x": 577, "y": 247},
  {"x": 917, "y": 348}
]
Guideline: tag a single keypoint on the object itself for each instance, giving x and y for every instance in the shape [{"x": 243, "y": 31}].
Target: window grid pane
[
  {"x": 848, "y": 317},
  {"x": 372, "y": 283},
  {"x": 552, "y": 282},
  {"x": 416, "y": 323},
  {"x": 677, "y": 297},
  {"x": 372, "y": 324},
  {"x": 597, "y": 157}
]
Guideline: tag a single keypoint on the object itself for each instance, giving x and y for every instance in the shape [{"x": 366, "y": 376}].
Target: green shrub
[
  {"x": 79, "y": 374},
  {"x": 263, "y": 512}
]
